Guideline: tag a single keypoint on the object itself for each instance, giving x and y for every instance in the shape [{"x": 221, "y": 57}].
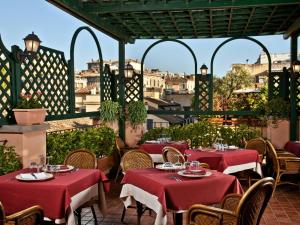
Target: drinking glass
[
  {"x": 33, "y": 166},
  {"x": 178, "y": 163},
  {"x": 195, "y": 166}
]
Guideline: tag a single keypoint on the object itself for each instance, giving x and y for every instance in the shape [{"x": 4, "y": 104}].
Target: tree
[{"x": 235, "y": 79}]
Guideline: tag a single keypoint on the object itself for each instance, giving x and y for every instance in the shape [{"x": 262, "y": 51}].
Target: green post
[
  {"x": 122, "y": 88},
  {"x": 293, "y": 92},
  {"x": 284, "y": 84}
]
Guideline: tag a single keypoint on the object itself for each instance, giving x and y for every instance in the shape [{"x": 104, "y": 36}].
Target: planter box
[{"x": 29, "y": 116}]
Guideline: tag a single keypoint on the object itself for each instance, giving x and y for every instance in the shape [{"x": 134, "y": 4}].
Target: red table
[
  {"x": 228, "y": 161},
  {"x": 160, "y": 192},
  {"x": 155, "y": 149},
  {"x": 293, "y": 147},
  {"x": 58, "y": 196}
]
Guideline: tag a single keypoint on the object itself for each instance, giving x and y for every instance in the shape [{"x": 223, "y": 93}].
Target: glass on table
[
  {"x": 178, "y": 163},
  {"x": 33, "y": 166},
  {"x": 195, "y": 166}
]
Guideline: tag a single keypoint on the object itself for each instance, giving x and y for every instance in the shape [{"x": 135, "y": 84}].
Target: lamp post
[
  {"x": 203, "y": 70},
  {"x": 32, "y": 44}
]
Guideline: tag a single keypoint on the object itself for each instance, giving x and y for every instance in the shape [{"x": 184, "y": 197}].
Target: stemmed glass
[
  {"x": 187, "y": 163},
  {"x": 178, "y": 163}
]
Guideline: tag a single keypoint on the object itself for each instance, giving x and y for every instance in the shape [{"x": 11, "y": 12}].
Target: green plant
[
  {"x": 277, "y": 109},
  {"x": 100, "y": 140},
  {"x": 9, "y": 160},
  {"x": 137, "y": 112},
  {"x": 109, "y": 111},
  {"x": 30, "y": 101}
]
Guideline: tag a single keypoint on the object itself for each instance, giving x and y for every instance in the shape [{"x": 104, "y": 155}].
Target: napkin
[
  {"x": 33, "y": 176},
  {"x": 41, "y": 175},
  {"x": 200, "y": 172},
  {"x": 27, "y": 176},
  {"x": 152, "y": 142}
]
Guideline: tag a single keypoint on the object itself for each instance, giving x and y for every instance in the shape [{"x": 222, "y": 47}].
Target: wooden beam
[
  {"x": 73, "y": 8},
  {"x": 268, "y": 20},
  {"x": 193, "y": 23},
  {"x": 174, "y": 23},
  {"x": 151, "y": 5},
  {"x": 229, "y": 21},
  {"x": 295, "y": 27},
  {"x": 157, "y": 24},
  {"x": 249, "y": 20}
]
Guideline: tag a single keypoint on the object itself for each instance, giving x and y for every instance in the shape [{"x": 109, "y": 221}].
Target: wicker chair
[
  {"x": 135, "y": 159},
  {"x": 121, "y": 150},
  {"x": 235, "y": 209},
  {"x": 281, "y": 164},
  {"x": 259, "y": 145},
  {"x": 173, "y": 155},
  {"x": 83, "y": 159},
  {"x": 30, "y": 216}
]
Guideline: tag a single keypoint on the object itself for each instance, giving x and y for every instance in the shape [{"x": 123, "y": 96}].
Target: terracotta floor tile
[{"x": 283, "y": 209}]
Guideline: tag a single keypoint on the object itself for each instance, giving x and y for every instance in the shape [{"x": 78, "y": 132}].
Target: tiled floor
[{"x": 283, "y": 209}]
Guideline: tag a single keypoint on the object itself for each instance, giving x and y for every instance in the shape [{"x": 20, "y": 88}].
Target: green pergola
[{"x": 128, "y": 20}]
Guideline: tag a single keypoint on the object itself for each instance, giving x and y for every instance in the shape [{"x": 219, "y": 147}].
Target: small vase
[{"x": 30, "y": 116}]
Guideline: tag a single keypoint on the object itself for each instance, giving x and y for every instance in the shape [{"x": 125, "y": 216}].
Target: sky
[{"x": 55, "y": 28}]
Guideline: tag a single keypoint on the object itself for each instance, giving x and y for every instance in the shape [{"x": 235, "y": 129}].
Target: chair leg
[
  {"x": 139, "y": 209},
  {"x": 94, "y": 215},
  {"x": 123, "y": 214},
  {"x": 78, "y": 213},
  {"x": 117, "y": 175}
]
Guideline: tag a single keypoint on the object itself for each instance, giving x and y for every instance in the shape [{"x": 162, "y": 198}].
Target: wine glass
[
  {"x": 33, "y": 166},
  {"x": 178, "y": 163}
]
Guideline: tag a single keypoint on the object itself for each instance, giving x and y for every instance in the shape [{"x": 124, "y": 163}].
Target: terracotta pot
[
  {"x": 29, "y": 116},
  {"x": 105, "y": 163}
]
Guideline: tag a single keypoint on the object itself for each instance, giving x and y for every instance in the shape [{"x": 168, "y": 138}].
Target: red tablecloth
[
  {"x": 53, "y": 195},
  {"x": 176, "y": 195},
  {"x": 152, "y": 148},
  {"x": 293, "y": 147},
  {"x": 220, "y": 160}
]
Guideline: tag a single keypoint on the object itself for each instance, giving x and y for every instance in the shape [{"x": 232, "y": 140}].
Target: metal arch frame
[
  {"x": 195, "y": 63},
  {"x": 71, "y": 62},
  {"x": 225, "y": 42}
]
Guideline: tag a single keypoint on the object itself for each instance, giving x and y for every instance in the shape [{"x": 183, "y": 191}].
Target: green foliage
[
  {"x": 204, "y": 134},
  {"x": 277, "y": 108},
  {"x": 29, "y": 101},
  {"x": 137, "y": 112},
  {"x": 9, "y": 160},
  {"x": 235, "y": 79},
  {"x": 100, "y": 140},
  {"x": 109, "y": 111}
]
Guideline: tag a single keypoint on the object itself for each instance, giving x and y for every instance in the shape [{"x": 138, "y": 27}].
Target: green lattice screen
[
  {"x": 5, "y": 84},
  {"x": 274, "y": 85},
  {"x": 298, "y": 93},
  {"x": 48, "y": 73},
  {"x": 132, "y": 88},
  {"x": 204, "y": 93},
  {"x": 106, "y": 84}
]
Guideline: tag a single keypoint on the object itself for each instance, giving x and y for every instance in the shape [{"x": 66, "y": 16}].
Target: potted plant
[
  {"x": 109, "y": 112},
  {"x": 29, "y": 110},
  {"x": 136, "y": 114}
]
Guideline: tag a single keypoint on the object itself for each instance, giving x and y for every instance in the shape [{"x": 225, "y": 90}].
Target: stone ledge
[{"x": 18, "y": 129}]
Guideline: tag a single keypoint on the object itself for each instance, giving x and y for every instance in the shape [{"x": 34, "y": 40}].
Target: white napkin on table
[{"x": 36, "y": 176}]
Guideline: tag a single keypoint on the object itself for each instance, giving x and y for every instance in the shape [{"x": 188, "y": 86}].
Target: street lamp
[
  {"x": 32, "y": 44},
  {"x": 296, "y": 66},
  {"x": 128, "y": 70},
  {"x": 203, "y": 70}
]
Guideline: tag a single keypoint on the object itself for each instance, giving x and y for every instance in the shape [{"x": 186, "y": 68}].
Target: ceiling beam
[
  {"x": 268, "y": 20},
  {"x": 249, "y": 20},
  {"x": 288, "y": 18},
  {"x": 75, "y": 9},
  {"x": 294, "y": 28},
  {"x": 174, "y": 23},
  {"x": 153, "y": 5},
  {"x": 229, "y": 21}
]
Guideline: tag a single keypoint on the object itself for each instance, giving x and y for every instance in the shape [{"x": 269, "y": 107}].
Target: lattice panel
[
  {"x": 298, "y": 93},
  {"x": 106, "y": 91},
  {"x": 274, "y": 85},
  {"x": 5, "y": 84},
  {"x": 203, "y": 94},
  {"x": 47, "y": 73},
  {"x": 132, "y": 88}
]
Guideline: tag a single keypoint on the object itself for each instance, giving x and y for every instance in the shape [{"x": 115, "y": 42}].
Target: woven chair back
[
  {"x": 136, "y": 159},
  {"x": 254, "y": 202},
  {"x": 173, "y": 155},
  {"x": 259, "y": 145},
  {"x": 203, "y": 218},
  {"x": 272, "y": 162},
  {"x": 81, "y": 158}
]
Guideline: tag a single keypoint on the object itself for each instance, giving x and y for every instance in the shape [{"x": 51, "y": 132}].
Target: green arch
[{"x": 195, "y": 65}]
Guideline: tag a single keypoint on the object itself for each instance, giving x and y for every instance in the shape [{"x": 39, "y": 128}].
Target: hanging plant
[
  {"x": 109, "y": 111},
  {"x": 137, "y": 113}
]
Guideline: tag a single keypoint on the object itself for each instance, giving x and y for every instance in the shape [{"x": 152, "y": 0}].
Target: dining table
[
  {"x": 154, "y": 148},
  {"x": 165, "y": 190},
  {"x": 58, "y": 196},
  {"x": 228, "y": 160}
]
